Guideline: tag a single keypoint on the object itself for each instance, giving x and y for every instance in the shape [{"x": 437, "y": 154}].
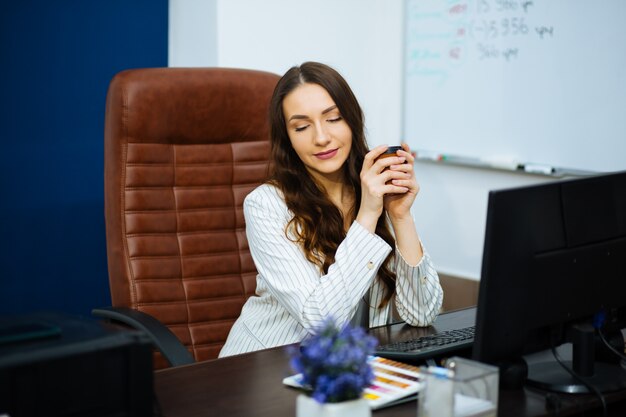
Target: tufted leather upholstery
[{"x": 183, "y": 147}]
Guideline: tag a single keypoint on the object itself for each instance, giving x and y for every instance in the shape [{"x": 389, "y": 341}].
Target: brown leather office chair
[{"x": 183, "y": 147}]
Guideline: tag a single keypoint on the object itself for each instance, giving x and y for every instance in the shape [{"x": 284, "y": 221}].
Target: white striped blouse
[{"x": 293, "y": 297}]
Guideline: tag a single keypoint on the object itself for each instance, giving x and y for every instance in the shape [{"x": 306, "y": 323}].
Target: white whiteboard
[{"x": 540, "y": 81}]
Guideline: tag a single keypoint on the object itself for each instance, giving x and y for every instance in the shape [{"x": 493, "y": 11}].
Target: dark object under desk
[
  {"x": 56, "y": 364},
  {"x": 251, "y": 385}
]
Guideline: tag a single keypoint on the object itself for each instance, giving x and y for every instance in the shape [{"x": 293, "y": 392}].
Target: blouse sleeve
[
  {"x": 297, "y": 284},
  {"x": 419, "y": 295}
]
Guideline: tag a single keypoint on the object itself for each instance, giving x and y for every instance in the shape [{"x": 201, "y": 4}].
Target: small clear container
[{"x": 462, "y": 388}]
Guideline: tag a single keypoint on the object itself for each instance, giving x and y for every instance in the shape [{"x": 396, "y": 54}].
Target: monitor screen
[{"x": 553, "y": 272}]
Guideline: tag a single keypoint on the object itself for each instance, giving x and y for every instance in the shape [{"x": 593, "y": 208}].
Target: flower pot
[{"x": 308, "y": 407}]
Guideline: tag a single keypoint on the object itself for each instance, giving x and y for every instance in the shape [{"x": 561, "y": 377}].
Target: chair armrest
[{"x": 165, "y": 341}]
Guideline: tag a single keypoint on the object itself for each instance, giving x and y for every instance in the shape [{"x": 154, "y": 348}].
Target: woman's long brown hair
[{"x": 318, "y": 224}]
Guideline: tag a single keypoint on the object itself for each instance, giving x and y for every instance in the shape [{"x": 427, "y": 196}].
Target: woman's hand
[
  {"x": 398, "y": 205},
  {"x": 381, "y": 179}
]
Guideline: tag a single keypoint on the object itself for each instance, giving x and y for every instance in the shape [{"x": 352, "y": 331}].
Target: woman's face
[{"x": 318, "y": 133}]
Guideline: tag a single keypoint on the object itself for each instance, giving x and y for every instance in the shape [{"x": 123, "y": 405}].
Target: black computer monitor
[{"x": 554, "y": 264}]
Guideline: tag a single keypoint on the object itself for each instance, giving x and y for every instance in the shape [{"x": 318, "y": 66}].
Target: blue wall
[{"x": 57, "y": 58}]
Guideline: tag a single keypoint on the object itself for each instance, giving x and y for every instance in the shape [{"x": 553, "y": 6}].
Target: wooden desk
[{"x": 251, "y": 385}]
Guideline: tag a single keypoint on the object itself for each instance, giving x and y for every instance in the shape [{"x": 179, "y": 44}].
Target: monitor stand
[{"x": 549, "y": 374}]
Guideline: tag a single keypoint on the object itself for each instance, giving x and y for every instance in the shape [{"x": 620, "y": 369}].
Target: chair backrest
[{"x": 183, "y": 147}]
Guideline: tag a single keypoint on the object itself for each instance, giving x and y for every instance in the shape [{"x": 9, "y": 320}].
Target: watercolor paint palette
[{"x": 394, "y": 383}]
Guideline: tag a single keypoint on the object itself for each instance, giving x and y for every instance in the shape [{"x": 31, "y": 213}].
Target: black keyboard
[{"x": 429, "y": 346}]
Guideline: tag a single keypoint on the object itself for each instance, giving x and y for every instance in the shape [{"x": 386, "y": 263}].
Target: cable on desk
[
  {"x": 607, "y": 344},
  {"x": 580, "y": 379}
]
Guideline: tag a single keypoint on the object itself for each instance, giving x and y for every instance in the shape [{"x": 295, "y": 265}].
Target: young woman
[{"x": 332, "y": 228}]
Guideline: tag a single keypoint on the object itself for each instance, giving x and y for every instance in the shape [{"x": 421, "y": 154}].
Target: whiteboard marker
[
  {"x": 430, "y": 156},
  {"x": 509, "y": 164},
  {"x": 538, "y": 169}
]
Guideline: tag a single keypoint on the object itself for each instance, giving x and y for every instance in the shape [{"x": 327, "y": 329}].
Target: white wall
[
  {"x": 363, "y": 39},
  {"x": 450, "y": 212},
  {"x": 192, "y": 37}
]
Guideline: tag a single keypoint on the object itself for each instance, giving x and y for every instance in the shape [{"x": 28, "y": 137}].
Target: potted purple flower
[{"x": 335, "y": 371}]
